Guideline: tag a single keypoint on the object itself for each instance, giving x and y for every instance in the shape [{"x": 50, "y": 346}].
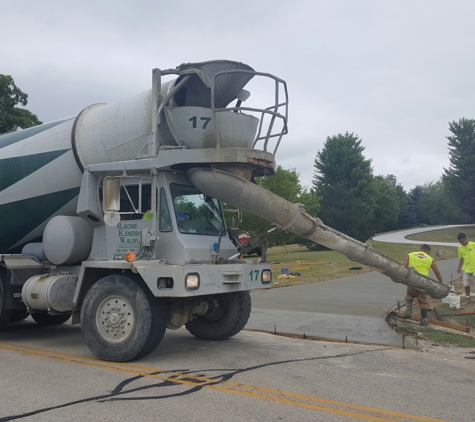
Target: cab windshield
[{"x": 195, "y": 212}]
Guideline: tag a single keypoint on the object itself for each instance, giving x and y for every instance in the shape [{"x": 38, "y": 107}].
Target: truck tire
[
  {"x": 5, "y": 316},
  {"x": 227, "y": 316},
  {"x": 19, "y": 316},
  {"x": 45, "y": 319},
  {"x": 121, "y": 320}
]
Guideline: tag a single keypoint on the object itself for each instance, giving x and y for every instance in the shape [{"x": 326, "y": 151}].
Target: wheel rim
[
  {"x": 115, "y": 319},
  {"x": 218, "y": 308}
]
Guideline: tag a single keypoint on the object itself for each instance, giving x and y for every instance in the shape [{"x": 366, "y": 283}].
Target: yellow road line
[{"x": 238, "y": 388}]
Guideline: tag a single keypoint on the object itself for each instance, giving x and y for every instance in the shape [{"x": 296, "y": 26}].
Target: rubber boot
[
  {"x": 408, "y": 311},
  {"x": 424, "y": 321}
]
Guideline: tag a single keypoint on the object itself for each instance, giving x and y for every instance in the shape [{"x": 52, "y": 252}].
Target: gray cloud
[{"x": 395, "y": 73}]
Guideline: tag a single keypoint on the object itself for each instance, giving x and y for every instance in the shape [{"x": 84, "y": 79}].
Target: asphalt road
[{"x": 49, "y": 374}]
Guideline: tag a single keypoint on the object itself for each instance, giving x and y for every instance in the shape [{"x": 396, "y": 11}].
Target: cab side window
[{"x": 165, "y": 220}]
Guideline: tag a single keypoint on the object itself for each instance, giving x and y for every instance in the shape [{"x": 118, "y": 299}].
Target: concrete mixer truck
[{"x": 114, "y": 217}]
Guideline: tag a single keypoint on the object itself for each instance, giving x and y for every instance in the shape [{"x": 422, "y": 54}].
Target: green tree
[
  {"x": 459, "y": 178},
  {"x": 284, "y": 183},
  {"x": 11, "y": 117},
  {"x": 391, "y": 204},
  {"x": 408, "y": 218},
  {"x": 386, "y": 210},
  {"x": 437, "y": 206},
  {"x": 344, "y": 180},
  {"x": 403, "y": 207},
  {"x": 415, "y": 196}
]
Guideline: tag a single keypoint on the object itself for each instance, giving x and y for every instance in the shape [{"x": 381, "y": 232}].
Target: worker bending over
[{"x": 422, "y": 263}]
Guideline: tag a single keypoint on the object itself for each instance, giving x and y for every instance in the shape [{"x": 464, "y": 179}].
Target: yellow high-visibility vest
[{"x": 421, "y": 262}]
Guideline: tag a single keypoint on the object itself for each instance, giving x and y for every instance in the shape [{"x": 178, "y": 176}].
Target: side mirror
[{"x": 111, "y": 201}]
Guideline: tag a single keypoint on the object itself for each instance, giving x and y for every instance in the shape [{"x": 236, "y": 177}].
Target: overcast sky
[{"x": 393, "y": 72}]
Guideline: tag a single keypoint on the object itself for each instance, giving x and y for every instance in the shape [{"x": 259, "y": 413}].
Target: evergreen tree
[
  {"x": 402, "y": 205},
  {"x": 408, "y": 218},
  {"x": 344, "y": 181},
  {"x": 459, "y": 178},
  {"x": 415, "y": 196},
  {"x": 386, "y": 209}
]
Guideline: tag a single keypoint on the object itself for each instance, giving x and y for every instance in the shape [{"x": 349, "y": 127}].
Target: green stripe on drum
[
  {"x": 19, "y": 135},
  {"x": 14, "y": 169},
  {"x": 17, "y": 219}
]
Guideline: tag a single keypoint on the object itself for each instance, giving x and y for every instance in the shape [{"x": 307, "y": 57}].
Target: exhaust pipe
[{"x": 245, "y": 195}]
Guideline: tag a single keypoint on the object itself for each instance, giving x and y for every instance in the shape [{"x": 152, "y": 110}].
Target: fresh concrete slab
[
  {"x": 360, "y": 329},
  {"x": 350, "y": 308}
]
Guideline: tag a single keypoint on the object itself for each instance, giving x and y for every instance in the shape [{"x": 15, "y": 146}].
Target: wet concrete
[{"x": 351, "y": 308}]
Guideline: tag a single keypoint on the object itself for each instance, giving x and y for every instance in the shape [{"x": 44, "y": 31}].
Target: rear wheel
[
  {"x": 228, "y": 314},
  {"x": 19, "y": 316},
  {"x": 45, "y": 319},
  {"x": 5, "y": 316},
  {"x": 121, "y": 320}
]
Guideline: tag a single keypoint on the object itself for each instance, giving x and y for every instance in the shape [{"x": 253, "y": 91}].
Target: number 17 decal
[
  {"x": 254, "y": 275},
  {"x": 205, "y": 121}
]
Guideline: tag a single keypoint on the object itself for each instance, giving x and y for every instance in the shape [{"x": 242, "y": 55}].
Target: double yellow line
[{"x": 262, "y": 393}]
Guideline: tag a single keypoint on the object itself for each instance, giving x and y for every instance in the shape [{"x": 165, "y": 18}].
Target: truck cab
[{"x": 145, "y": 250}]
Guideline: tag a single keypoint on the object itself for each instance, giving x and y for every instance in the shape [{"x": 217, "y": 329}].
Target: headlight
[
  {"x": 192, "y": 281},
  {"x": 266, "y": 276}
]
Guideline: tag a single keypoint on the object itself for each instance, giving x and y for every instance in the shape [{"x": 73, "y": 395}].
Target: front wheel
[
  {"x": 121, "y": 320},
  {"x": 227, "y": 315},
  {"x": 19, "y": 316}
]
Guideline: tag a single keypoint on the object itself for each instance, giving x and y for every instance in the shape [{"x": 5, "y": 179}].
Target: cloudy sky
[{"x": 393, "y": 72}]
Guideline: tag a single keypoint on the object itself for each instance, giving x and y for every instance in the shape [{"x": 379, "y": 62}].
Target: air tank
[{"x": 67, "y": 240}]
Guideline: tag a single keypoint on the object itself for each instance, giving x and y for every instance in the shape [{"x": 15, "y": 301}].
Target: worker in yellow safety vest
[
  {"x": 422, "y": 262},
  {"x": 466, "y": 253}
]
